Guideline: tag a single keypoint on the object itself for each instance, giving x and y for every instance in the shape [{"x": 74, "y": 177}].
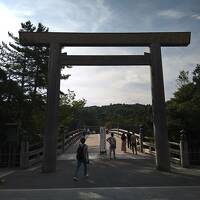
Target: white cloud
[
  {"x": 62, "y": 15},
  {"x": 103, "y": 13},
  {"x": 105, "y": 85},
  {"x": 196, "y": 16},
  {"x": 110, "y": 84},
  {"x": 170, "y": 13},
  {"x": 9, "y": 22}
]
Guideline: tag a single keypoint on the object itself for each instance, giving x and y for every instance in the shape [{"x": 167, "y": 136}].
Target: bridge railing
[
  {"x": 148, "y": 146},
  {"x": 33, "y": 154}
]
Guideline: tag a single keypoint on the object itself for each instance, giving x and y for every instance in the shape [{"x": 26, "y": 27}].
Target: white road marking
[{"x": 101, "y": 188}]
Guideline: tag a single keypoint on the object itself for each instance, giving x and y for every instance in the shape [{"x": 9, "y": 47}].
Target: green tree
[
  {"x": 23, "y": 86},
  {"x": 183, "y": 109},
  {"x": 183, "y": 78},
  {"x": 120, "y": 115},
  {"x": 70, "y": 111},
  {"x": 27, "y": 68}
]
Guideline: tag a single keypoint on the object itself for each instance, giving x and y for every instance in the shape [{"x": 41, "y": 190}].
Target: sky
[{"x": 103, "y": 85}]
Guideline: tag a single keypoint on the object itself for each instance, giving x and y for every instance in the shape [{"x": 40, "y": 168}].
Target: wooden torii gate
[{"x": 57, "y": 40}]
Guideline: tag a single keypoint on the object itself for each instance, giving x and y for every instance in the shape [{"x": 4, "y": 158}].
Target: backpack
[
  {"x": 112, "y": 143},
  {"x": 80, "y": 152}
]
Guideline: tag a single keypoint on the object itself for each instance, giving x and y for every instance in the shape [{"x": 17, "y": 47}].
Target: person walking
[
  {"x": 134, "y": 143},
  {"x": 112, "y": 141},
  {"x": 123, "y": 138},
  {"x": 82, "y": 157},
  {"x": 129, "y": 139}
]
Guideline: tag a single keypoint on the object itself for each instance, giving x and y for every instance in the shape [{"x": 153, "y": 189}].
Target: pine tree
[
  {"x": 23, "y": 81},
  {"x": 27, "y": 68}
]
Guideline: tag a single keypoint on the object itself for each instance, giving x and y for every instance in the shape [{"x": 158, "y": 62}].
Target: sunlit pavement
[{"x": 132, "y": 178}]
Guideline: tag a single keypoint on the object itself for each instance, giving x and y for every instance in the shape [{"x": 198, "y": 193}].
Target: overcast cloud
[{"x": 105, "y": 85}]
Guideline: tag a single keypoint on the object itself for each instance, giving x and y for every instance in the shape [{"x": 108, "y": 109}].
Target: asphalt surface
[
  {"x": 145, "y": 193},
  {"x": 102, "y": 173},
  {"x": 108, "y": 179}
]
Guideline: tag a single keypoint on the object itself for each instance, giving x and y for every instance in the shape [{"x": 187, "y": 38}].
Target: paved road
[
  {"x": 103, "y": 173},
  {"x": 134, "y": 178},
  {"x": 131, "y": 193}
]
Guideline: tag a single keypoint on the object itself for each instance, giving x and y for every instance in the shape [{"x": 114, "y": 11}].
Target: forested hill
[{"x": 119, "y": 115}]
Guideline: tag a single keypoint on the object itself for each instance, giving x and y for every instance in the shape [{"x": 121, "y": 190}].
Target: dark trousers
[
  {"x": 129, "y": 143},
  {"x": 79, "y": 163}
]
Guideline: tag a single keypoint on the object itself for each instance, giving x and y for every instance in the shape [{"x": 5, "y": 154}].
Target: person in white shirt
[
  {"x": 134, "y": 143},
  {"x": 112, "y": 141}
]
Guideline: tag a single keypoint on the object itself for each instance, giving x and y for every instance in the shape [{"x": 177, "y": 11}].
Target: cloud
[
  {"x": 101, "y": 13},
  {"x": 110, "y": 84},
  {"x": 62, "y": 15},
  {"x": 105, "y": 85},
  {"x": 196, "y": 16},
  {"x": 8, "y": 22},
  {"x": 74, "y": 16},
  {"x": 170, "y": 13}
]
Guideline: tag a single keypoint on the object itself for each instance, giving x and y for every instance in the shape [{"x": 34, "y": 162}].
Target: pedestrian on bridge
[
  {"x": 123, "y": 138},
  {"x": 129, "y": 139},
  {"x": 82, "y": 158},
  {"x": 112, "y": 141},
  {"x": 134, "y": 143}
]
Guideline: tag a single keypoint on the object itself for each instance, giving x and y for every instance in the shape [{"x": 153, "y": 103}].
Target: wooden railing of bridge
[
  {"x": 31, "y": 154},
  {"x": 148, "y": 145}
]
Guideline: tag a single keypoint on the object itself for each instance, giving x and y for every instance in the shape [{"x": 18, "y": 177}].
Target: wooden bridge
[
  {"x": 67, "y": 142},
  {"x": 93, "y": 141}
]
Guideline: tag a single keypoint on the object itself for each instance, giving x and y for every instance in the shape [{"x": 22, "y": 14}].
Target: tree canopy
[
  {"x": 23, "y": 84},
  {"x": 183, "y": 109}
]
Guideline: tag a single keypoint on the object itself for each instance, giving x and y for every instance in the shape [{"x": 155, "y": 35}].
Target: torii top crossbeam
[{"x": 106, "y": 39}]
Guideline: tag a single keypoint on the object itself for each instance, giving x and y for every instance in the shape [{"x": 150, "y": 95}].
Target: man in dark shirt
[
  {"x": 129, "y": 139},
  {"x": 82, "y": 158}
]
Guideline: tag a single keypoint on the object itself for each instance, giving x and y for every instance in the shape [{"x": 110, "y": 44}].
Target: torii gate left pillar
[{"x": 51, "y": 124}]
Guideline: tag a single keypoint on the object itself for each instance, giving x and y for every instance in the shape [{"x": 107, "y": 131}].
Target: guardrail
[
  {"x": 178, "y": 153},
  {"x": 33, "y": 154}
]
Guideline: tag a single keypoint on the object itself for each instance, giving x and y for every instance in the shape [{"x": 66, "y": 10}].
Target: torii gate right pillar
[{"x": 158, "y": 106}]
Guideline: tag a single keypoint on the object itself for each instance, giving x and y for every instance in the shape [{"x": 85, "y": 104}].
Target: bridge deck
[{"x": 93, "y": 142}]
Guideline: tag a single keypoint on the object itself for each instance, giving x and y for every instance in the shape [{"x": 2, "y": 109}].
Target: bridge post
[
  {"x": 102, "y": 132},
  {"x": 184, "y": 153},
  {"x": 158, "y": 106},
  {"x": 24, "y": 154},
  {"x": 141, "y": 138},
  {"x": 63, "y": 142},
  {"x": 51, "y": 125}
]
